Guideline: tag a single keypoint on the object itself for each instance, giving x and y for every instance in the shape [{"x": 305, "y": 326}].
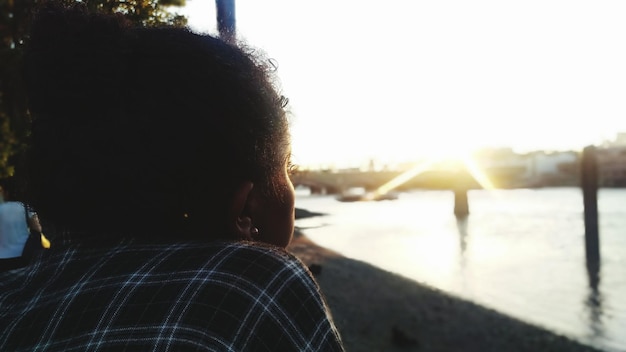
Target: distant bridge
[
  {"x": 337, "y": 182},
  {"x": 330, "y": 182}
]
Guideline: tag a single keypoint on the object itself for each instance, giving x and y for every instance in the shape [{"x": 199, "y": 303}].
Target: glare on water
[{"x": 519, "y": 251}]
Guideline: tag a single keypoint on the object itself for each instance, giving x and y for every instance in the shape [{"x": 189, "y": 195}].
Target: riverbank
[{"x": 376, "y": 310}]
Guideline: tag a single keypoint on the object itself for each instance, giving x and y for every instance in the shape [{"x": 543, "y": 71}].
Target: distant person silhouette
[
  {"x": 159, "y": 165},
  {"x": 16, "y": 220}
]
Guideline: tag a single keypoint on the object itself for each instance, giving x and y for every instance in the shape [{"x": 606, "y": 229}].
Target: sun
[
  {"x": 455, "y": 156},
  {"x": 462, "y": 155},
  {"x": 478, "y": 173}
]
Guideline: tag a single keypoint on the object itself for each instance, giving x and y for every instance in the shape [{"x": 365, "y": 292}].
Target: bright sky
[{"x": 398, "y": 80}]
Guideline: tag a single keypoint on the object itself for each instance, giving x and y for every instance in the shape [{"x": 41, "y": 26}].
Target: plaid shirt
[{"x": 164, "y": 297}]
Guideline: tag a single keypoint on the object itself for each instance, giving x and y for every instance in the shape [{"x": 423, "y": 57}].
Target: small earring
[{"x": 254, "y": 231}]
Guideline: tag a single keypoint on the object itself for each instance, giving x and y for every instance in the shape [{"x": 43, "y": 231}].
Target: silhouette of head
[{"x": 153, "y": 132}]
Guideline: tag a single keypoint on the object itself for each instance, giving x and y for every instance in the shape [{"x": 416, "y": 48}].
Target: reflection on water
[
  {"x": 519, "y": 251},
  {"x": 461, "y": 225},
  {"x": 593, "y": 302}
]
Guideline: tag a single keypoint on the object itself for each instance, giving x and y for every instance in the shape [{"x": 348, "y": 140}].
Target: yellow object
[{"x": 45, "y": 243}]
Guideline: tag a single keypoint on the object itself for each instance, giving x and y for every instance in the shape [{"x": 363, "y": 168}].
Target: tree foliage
[{"x": 14, "y": 25}]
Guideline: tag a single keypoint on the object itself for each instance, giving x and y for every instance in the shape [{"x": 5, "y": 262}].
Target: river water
[{"x": 520, "y": 252}]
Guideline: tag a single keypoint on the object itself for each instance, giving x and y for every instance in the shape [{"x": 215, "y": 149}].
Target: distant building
[
  {"x": 552, "y": 169},
  {"x": 620, "y": 139},
  {"x": 503, "y": 167},
  {"x": 612, "y": 166},
  {"x": 612, "y": 162},
  {"x": 541, "y": 163}
]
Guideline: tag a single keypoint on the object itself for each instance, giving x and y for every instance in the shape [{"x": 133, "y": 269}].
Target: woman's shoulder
[
  {"x": 248, "y": 294},
  {"x": 248, "y": 260},
  {"x": 258, "y": 260},
  {"x": 223, "y": 249},
  {"x": 261, "y": 249},
  {"x": 250, "y": 267}
]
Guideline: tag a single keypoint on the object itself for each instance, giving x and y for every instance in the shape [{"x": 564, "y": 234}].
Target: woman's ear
[{"x": 239, "y": 217}]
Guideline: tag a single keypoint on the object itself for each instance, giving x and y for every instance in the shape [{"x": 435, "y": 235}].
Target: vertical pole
[
  {"x": 226, "y": 19},
  {"x": 589, "y": 183},
  {"x": 461, "y": 205},
  {"x": 460, "y": 186}
]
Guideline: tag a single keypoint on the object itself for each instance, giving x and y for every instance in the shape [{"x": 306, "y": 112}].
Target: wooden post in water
[
  {"x": 226, "y": 19},
  {"x": 460, "y": 185},
  {"x": 461, "y": 205},
  {"x": 589, "y": 184}
]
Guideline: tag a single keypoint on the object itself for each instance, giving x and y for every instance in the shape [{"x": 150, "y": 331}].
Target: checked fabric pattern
[{"x": 218, "y": 296}]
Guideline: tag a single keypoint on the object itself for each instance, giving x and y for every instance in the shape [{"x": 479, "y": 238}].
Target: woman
[
  {"x": 16, "y": 221},
  {"x": 160, "y": 162}
]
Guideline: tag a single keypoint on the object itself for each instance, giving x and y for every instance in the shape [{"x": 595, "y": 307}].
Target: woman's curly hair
[{"x": 144, "y": 130}]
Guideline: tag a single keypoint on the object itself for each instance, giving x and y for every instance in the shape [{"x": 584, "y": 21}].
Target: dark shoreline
[
  {"x": 303, "y": 213},
  {"x": 376, "y": 310}
]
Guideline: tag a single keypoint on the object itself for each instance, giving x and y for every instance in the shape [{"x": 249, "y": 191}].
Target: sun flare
[
  {"x": 477, "y": 173},
  {"x": 464, "y": 159},
  {"x": 401, "y": 179}
]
